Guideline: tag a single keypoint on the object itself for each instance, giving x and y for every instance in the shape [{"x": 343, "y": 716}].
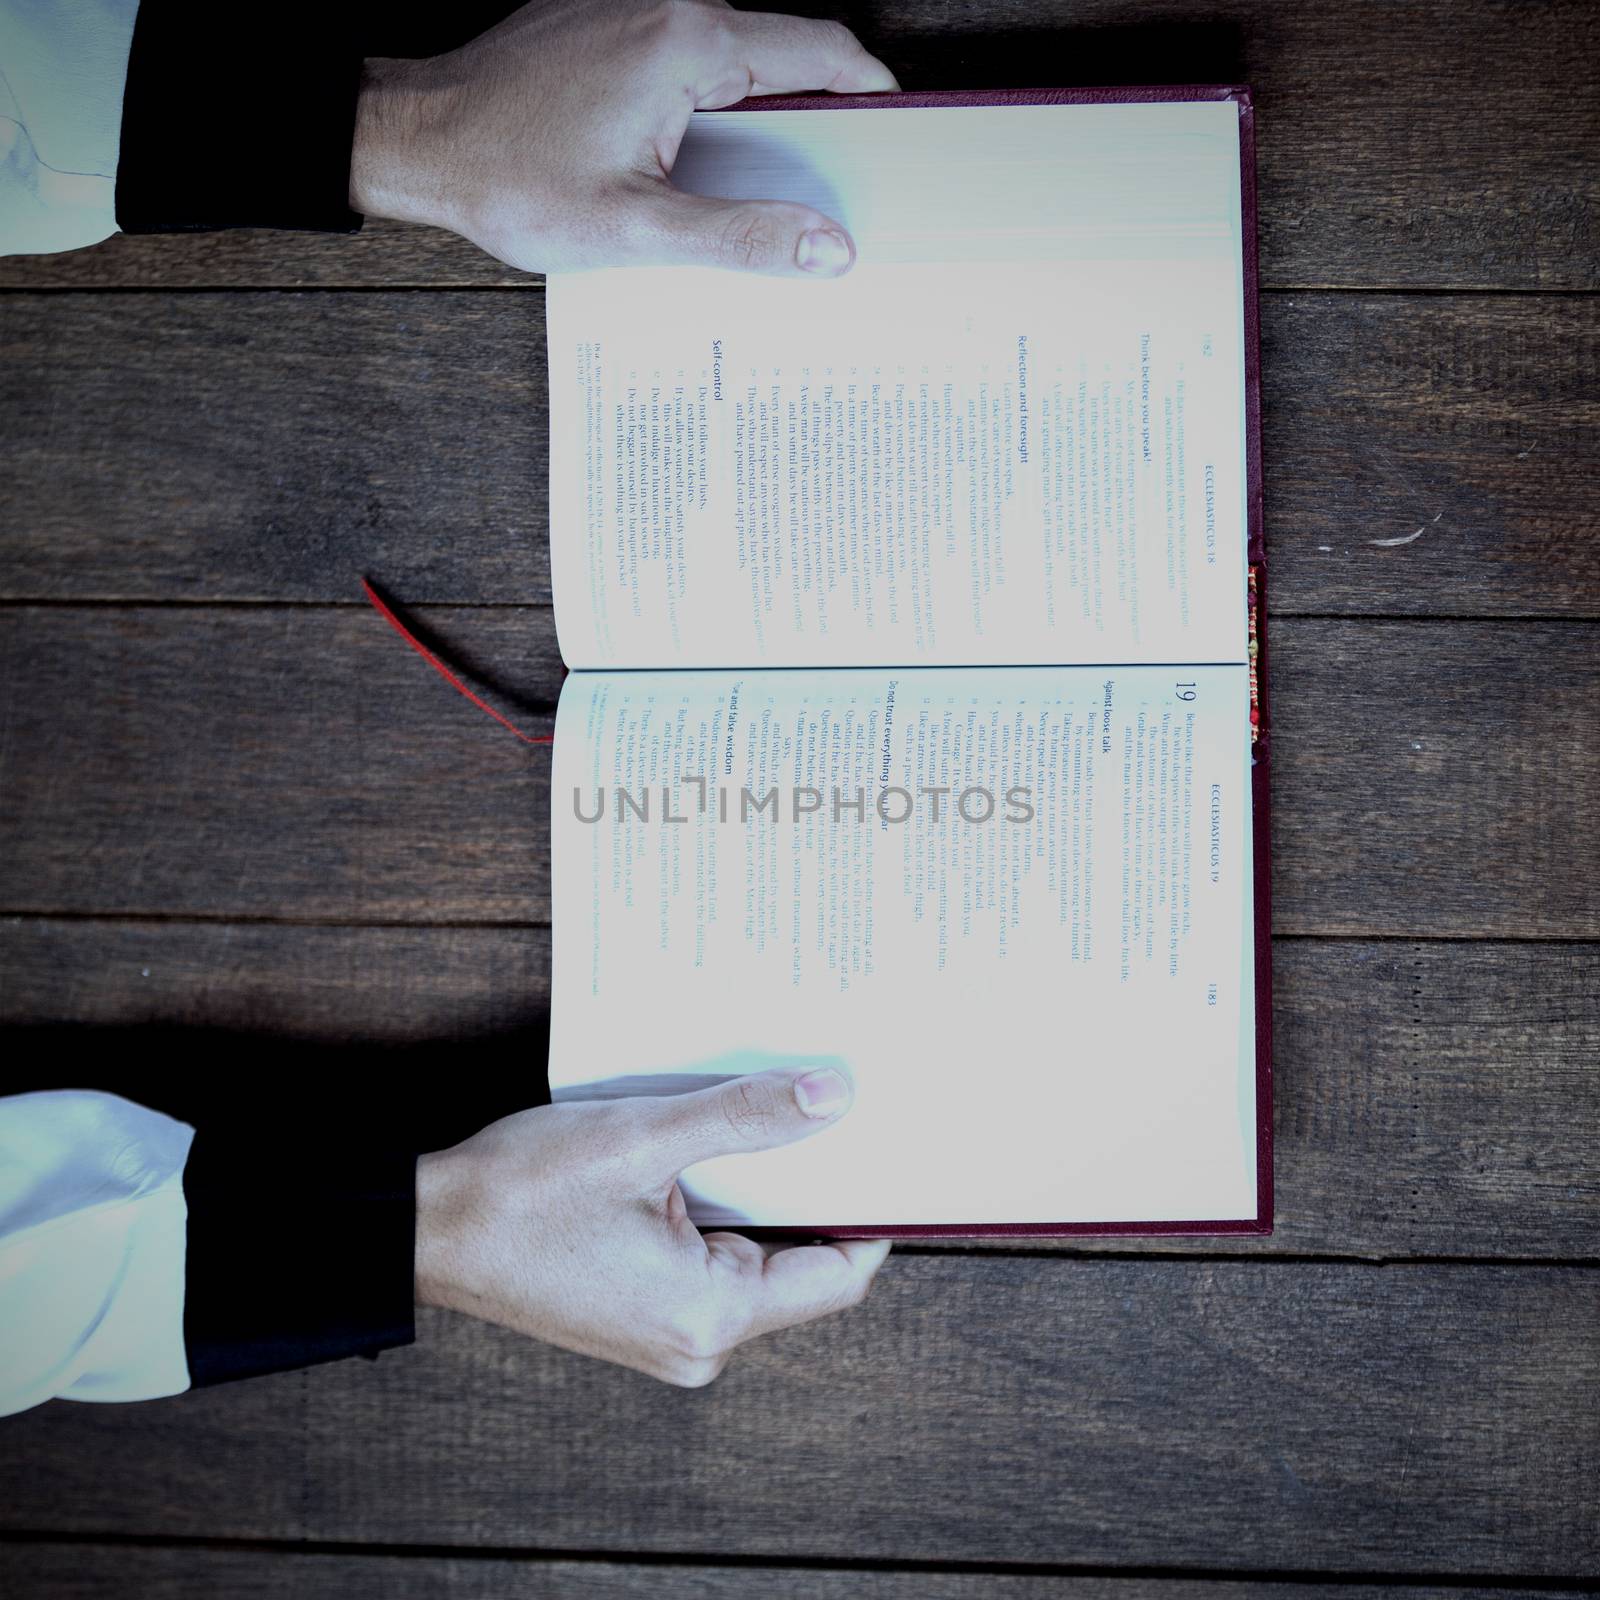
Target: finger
[
  {"x": 759, "y": 1112},
  {"x": 689, "y": 1372},
  {"x": 736, "y": 1252},
  {"x": 865, "y": 1254},
  {"x": 810, "y": 1281},
  {"x": 667, "y": 226},
  {"x": 767, "y": 53}
]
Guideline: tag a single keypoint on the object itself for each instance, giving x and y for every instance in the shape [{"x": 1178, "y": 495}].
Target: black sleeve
[
  {"x": 239, "y": 117},
  {"x": 293, "y": 1260},
  {"x": 302, "y": 1209},
  {"x": 244, "y": 117}
]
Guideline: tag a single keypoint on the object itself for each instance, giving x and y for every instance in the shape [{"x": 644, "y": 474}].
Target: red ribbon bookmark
[{"x": 444, "y": 671}]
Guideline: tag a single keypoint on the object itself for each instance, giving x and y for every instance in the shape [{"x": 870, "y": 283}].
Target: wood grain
[
  {"x": 1431, "y": 145},
  {"x": 1469, "y": 428},
  {"x": 257, "y": 447},
  {"x": 1435, "y": 765},
  {"x": 261, "y": 447},
  {"x": 1444, "y": 1095},
  {"x": 366, "y": 988},
  {"x": 1430, "y": 779},
  {"x": 300, "y": 763},
  {"x": 1435, "y": 1099},
  {"x": 1241, "y": 1416},
  {"x": 93, "y": 1572}
]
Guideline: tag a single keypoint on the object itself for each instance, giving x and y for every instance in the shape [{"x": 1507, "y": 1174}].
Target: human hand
[
  {"x": 548, "y": 140},
  {"x": 566, "y": 1223}
]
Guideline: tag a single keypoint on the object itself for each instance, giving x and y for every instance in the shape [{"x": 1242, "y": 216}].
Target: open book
[{"x": 916, "y": 708}]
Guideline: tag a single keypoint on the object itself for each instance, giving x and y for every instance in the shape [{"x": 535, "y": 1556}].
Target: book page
[
  {"x": 1014, "y": 433},
  {"x": 1016, "y": 902}
]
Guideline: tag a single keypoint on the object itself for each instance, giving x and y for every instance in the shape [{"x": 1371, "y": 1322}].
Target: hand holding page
[
  {"x": 995, "y": 847},
  {"x": 988, "y": 892},
  {"x": 550, "y": 139},
  {"x": 1031, "y": 453}
]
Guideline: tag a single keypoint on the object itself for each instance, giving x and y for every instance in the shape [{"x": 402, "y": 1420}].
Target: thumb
[
  {"x": 767, "y": 236},
  {"x": 760, "y": 1112}
]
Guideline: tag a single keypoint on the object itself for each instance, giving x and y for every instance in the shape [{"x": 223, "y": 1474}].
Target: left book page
[
  {"x": 1015, "y": 901},
  {"x": 1014, "y": 434}
]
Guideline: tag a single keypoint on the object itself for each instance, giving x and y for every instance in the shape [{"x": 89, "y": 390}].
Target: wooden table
[{"x": 232, "y": 801}]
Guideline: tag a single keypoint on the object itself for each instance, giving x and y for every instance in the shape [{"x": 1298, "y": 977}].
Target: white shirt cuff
[
  {"x": 93, "y": 1229},
  {"x": 65, "y": 69}
]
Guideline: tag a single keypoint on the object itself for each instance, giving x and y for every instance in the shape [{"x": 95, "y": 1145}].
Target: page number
[{"x": 1185, "y": 691}]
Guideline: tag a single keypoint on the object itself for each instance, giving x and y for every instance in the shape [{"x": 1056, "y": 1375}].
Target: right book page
[
  {"x": 1015, "y": 900},
  {"x": 1013, "y": 434}
]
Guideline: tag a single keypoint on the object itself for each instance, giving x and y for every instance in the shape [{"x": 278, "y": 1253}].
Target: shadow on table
[
  {"x": 424, "y": 1095},
  {"x": 1179, "y": 52}
]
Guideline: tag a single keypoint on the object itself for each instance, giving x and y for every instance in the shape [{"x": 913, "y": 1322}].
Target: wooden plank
[
  {"x": 1432, "y": 1099},
  {"x": 111, "y": 1572},
  {"x": 1445, "y": 1097},
  {"x": 347, "y": 987},
  {"x": 1374, "y": 172},
  {"x": 1430, "y": 779},
  {"x": 265, "y": 762},
  {"x": 1426, "y": 419},
  {"x": 1436, "y": 778},
  {"x": 277, "y": 448},
  {"x": 1404, "y": 1420},
  {"x": 268, "y": 447}
]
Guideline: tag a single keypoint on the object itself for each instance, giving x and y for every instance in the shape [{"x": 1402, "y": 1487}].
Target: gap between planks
[
  {"x": 124, "y": 603},
  {"x": 536, "y": 286},
  {"x": 537, "y": 1555},
  {"x": 513, "y": 925}
]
